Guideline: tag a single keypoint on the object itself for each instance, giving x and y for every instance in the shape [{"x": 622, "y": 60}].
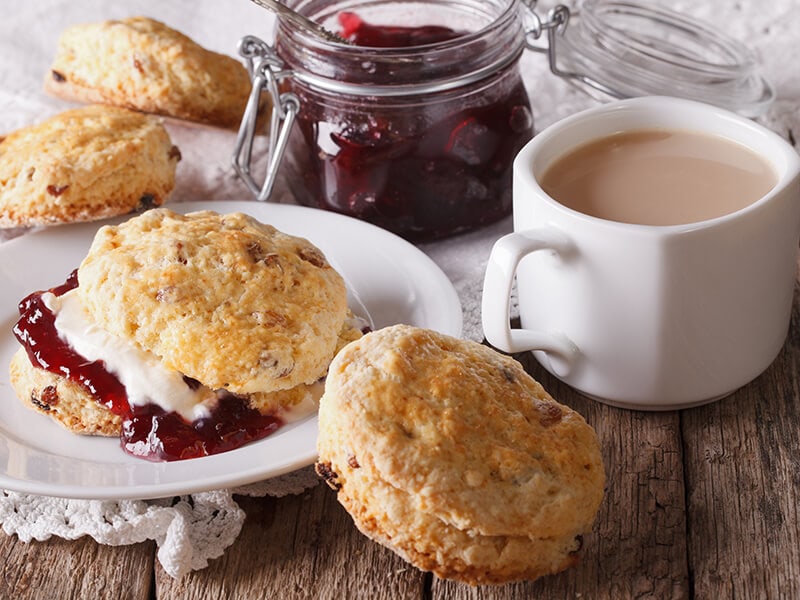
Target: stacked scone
[
  {"x": 190, "y": 309},
  {"x": 450, "y": 454}
]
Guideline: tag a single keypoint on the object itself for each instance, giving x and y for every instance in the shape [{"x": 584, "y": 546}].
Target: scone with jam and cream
[
  {"x": 450, "y": 454},
  {"x": 186, "y": 334}
]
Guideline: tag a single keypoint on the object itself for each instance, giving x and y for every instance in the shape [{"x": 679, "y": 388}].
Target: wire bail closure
[
  {"x": 627, "y": 48},
  {"x": 266, "y": 71},
  {"x": 554, "y": 25}
]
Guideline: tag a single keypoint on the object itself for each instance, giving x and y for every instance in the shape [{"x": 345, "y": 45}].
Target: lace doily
[
  {"x": 189, "y": 530},
  {"x": 192, "y": 530}
]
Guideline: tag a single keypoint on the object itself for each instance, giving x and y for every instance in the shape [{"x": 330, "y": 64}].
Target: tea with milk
[{"x": 658, "y": 177}]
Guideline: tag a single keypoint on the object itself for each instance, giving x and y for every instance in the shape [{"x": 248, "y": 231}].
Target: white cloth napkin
[{"x": 191, "y": 530}]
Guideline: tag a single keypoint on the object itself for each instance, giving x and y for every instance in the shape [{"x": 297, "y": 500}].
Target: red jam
[
  {"x": 424, "y": 167},
  {"x": 152, "y": 433},
  {"x": 361, "y": 33},
  {"x": 36, "y": 331},
  {"x": 148, "y": 431}
]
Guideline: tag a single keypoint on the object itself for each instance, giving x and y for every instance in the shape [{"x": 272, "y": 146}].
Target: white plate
[{"x": 395, "y": 281}]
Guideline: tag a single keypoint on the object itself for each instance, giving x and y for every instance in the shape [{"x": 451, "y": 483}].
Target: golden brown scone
[
  {"x": 143, "y": 64},
  {"x": 57, "y": 397},
  {"x": 449, "y": 453},
  {"x": 223, "y": 299},
  {"x": 85, "y": 164},
  {"x": 270, "y": 403}
]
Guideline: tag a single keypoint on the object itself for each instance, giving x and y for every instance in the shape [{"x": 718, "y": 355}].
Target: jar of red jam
[{"x": 412, "y": 125}]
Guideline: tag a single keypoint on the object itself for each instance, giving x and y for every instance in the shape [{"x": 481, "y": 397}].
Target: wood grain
[
  {"x": 81, "y": 568},
  {"x": 299, "y": 547},
  {"x": 743, "y": 474}
]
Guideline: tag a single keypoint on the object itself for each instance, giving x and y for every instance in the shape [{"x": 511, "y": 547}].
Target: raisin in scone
[
  {"x": 450, "y": 454},
  {"x": 61, "y": 399},
  {"x": 143, "y": 64},
  {"x": 85, "y": 164}
]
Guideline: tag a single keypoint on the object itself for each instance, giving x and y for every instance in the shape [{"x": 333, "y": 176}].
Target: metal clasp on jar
[
  {"x": 266, "y": 70},
  {"x": 625, "y": 48},
  {"x": 554, "y": 24}
]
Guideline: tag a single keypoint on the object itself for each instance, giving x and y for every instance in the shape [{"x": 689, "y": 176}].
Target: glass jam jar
[{"x": 418, "y": 140}]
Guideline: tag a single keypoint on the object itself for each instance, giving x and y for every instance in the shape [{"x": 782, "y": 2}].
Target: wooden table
[{"x": 701, "y": 503}]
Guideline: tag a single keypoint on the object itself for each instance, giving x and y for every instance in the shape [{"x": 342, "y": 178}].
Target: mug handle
[{"x": 504, "y": 259}]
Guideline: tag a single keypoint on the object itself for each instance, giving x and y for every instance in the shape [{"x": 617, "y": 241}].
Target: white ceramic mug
[{"x": 638, "y": 316}]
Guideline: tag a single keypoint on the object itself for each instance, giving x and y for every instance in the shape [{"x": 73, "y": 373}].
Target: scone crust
[
  {"x": 57, "y": 397},
  {"x": 386, "y": 515},
  {"x": 85, "y": 164},
  {"x": 269, "y": 403},
  {"x": 143, "y": 64},
  {"x": 448, "y": 452},
  {"x": 223, "y": 299}
]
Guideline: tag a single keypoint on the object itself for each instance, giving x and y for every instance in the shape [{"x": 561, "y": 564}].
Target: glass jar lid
[{"x": 629, "y": 48}]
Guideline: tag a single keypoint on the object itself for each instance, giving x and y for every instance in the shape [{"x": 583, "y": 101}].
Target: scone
[
  {"x": 223, "y": 299},
  {"x": 450, "y": 454},
  {"x": 143, "y": 64},
  {"x": 192, "y": 315},
  {"x": 85, "y": 164}
]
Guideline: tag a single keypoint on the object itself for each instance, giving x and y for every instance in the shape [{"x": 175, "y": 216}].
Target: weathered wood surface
[
  {"x": 75, "y": 569},
  {"x": 701, "y": 503},
  {"x": 742, "y": 458}
]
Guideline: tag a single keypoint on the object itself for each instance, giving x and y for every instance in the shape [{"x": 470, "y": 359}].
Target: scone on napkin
[
  {"x": 143, "y": 64},
  {"x": 451, "y": 455}
]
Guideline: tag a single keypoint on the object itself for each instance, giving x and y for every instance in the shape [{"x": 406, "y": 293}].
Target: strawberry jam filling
[{"x": 148, "y": 431}]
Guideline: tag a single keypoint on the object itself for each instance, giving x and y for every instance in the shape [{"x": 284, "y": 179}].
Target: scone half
[{"x": 77, "y": 367}]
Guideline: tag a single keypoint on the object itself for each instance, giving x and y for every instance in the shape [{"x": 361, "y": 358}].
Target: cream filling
[
  {"x": 146, "y": 379},
  {"x": 143, "y": 374},
  {"x": 307, "y": 406}
]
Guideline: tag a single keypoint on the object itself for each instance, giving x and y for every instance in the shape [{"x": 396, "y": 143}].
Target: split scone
[
  {"x": 85, "y": 164},
  {"x": 143, "y": 64},
  {"x": 188, "y": 334},
  {"x": 451, "y": 455}
]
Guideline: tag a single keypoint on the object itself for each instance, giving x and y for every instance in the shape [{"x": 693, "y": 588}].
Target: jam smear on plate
[
  {"x": 155, "y": 434},
  {"x": 148, "y": 431}
]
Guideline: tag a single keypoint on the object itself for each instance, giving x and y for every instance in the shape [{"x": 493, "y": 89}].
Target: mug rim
[{"x": 785, "y": 160}]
